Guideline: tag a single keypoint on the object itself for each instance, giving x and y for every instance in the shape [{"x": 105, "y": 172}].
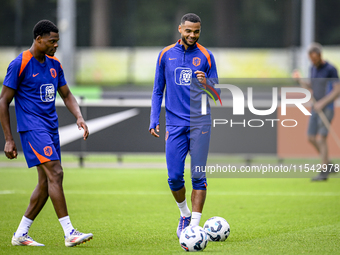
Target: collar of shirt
[{"x": 180, "y": 46}]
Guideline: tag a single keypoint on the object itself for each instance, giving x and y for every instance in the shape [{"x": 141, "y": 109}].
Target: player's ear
[
  {"x": 38, "y": 38},
  {"x": 180, "y": 28}
]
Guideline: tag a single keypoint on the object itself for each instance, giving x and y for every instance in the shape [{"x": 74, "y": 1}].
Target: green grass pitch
[{"x": 131, "y": 211}]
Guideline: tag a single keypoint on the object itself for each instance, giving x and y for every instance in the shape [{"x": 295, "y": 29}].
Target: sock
[
  {"x": 67, "y": 225},
  {"x": 184, "y": 209},
  {"x": 24, "y": 226},
  {"x": 195, "y": 219}
]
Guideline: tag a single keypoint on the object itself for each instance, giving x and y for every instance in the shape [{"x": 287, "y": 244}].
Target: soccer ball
[
  {"x": 193, "y": 239},
  {"x": 217, "y": 229}
]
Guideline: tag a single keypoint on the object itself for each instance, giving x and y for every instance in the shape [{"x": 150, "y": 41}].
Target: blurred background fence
[{"x": 117, "y": 67}]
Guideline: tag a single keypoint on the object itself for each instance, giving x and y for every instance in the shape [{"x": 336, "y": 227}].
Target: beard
[
  {"x": 51, "y": 52},
  {"x": 186, "y": 42}
]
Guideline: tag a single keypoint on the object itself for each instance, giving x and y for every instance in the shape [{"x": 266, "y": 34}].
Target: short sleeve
[
  {"x": 61, "y": 77},
  {"x": 12, "y": 77},
  {"x": 333, "y": 73}
]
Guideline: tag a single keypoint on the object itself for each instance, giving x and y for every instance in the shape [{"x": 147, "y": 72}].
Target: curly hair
[
  {"x": 44, "y": 27},
  {"x": 192, "y": 17}
]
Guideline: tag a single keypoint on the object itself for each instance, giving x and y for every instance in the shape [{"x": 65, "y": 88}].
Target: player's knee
[
  {"x": 176, "y": 183},
  {"x": 59, "y": 174},
  {"x": 56, "y": 172},
  {"x": 199, "y": 183}
]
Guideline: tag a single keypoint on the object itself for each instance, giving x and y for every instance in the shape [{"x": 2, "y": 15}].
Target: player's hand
[
  {"x": 200, "y": 76},
  {"x": 10, "y": 149},
  {"x": 296, "y": 75},
  {"x": 82, "y": 125},
  {"x": 154, "y": 131}
]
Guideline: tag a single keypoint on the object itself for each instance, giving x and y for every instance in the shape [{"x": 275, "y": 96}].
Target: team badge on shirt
[
  {"x": 196, "y": 61},
  {"x": 183, "y": 76},
  {"x": 53, "y": 72},
  {"x": 47, "y": 92}
]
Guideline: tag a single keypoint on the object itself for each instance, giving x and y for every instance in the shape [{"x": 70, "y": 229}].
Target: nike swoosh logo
[
  {"x": 172, "y": 58},
  {"x": 204, "y": 132},
  {"x": 71, "y": 133},
  {"x": 35, "y": 74}
]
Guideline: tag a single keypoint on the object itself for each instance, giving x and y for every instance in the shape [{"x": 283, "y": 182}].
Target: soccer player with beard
[{"x": 187, "y": 70}]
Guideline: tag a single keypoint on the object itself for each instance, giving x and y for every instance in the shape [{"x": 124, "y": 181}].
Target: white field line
[
  {"x": 212, "y": 193},
  {"x": 5, "y": 192}
]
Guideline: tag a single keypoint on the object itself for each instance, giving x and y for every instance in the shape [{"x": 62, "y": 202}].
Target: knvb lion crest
[
  {"x": 183, "y": 76},
  {"x": 47, "y": 92}
]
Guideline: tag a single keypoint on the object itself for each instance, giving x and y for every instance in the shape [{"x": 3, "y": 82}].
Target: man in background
[{"x": 325, "y": 86}]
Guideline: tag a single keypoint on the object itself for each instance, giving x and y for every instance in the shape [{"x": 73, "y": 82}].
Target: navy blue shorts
[
  {"x": 40, "y": 146},
  {"x": 316, "y": 126},
  {"x": 179, "y": 141}
]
